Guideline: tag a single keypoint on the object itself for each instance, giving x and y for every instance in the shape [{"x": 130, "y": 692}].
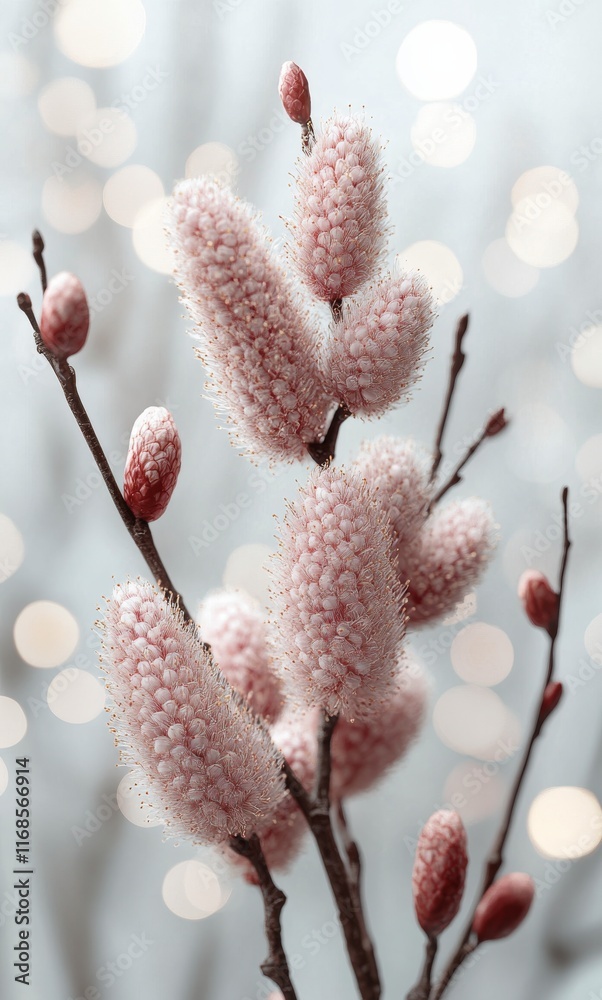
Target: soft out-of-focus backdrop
[{"x": 494, "y": 150}]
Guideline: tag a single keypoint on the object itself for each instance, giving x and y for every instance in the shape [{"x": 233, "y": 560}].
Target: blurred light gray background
[{"x": 207, "y": 73}]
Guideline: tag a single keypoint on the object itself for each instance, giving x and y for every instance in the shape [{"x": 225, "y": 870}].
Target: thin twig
[
  {"x": 494, "y": 425},
  {"x": 323, "y": 451},
  {"x": 316, "y": 810},
  {"x": 496, "y": 856},
  {"x": 38, "y": 256},
  {"x": 422, "y": 988},
  {"x": 138, "y": 529},
  {"x": 458, "y": 358},
  {"x": 355, "y": 880},
  {"x": 276, "y": 964}
]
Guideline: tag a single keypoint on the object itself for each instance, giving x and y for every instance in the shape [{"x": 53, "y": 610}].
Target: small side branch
[
  {"x": 422, "y": 989},
  {"x": 458, "y": 358},
  {"x": 355, "y": 880},
  {"x": 494, "y": 425},
  {"x": 38, "y": 256},
  {"x": 496, "y": 857},
  {"x": 322, "y": 452},
  {"x": 138, "y": 529},
  {"x": 276, "y": 964}
]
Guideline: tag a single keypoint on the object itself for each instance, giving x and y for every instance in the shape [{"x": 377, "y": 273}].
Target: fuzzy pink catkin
[
  {"x": 338, "y": 230},
  {"x": 376, "y": 353},
  {"x": 338, "y": 611},
  {"x": 365, "y": 747},
  {"x": 397, "y": 470},
  {"x": 447, "y": 558},
  {"x": 504, "y": 906},
  {"x": 538, "y": 599},
  {"x": 211, "y": 769},
  {"x": 153, "y": 463},
  {"x": 65, "y": 315},
  {"x": 439, "y": 871},
  {"x": 256, "y": 340},
  {"x": 282, "y": 836},
  {"x": 233, "y": 626},
  {"x": 294, "y": 93}
]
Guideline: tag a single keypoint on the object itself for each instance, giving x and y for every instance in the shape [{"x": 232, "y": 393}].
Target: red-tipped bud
[
  {"x": 539, "y": 600},
  {"x": 551, "y": 697},
  {"x": 439, "y": 871},
  {"x": 65, "y": 316},
  {"x": 294, "y": 93},
  {"x": 496, "y": 423},
  {"x": 153, "y": 463},
  {"x": 503, "y": 907}
]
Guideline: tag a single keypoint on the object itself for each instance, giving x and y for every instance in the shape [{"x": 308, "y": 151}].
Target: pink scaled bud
[
  {"x": 65, "y": 316},
  {"x": 294, "y": 93},
  {"x": 439, "y": 871},
  {"x": 503, "y": 907},
  {"x": 539, "y": 600},
  {"x": 551, "y": 697},
  {"x": 152, "y": 464}
]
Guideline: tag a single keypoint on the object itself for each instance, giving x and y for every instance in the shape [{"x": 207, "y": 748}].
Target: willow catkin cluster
[
  {"x": 338, "y": 231},
  {"x": 211, "y": 769},
  {"x": 256, "y": 339},
  {"x": 376, "y": 353},
  {"x": 338, "y": 615},
  {"x": 397, "y": 470},
  {"x": 233, "y": 625},
  {"x": 282, "y": 835},
  {"x": 365, "y": 746}
]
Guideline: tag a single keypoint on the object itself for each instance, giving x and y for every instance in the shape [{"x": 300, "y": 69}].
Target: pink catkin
[
  {"x": 65, "y": 315},
  {"x": 504, "y": 906},
  {"x": 338, "y": 231},
  {"x": 153, "y": 463},
  {"x": 211, "y": 769},
  {"x": 294, "y": 93},
  {"x": 439, "y": 871},
  {"x": 282, "y": 836},
  {"x": 447, "y": 558},
  {"x": 233, "y": 626},
  {"x": 377, "y": 352},
  {"x": 397, "y": 470},
  {"x": 338, "y": 610},
  {"x": 256, "y": 340},
  {"x": 364, "y": 748}
]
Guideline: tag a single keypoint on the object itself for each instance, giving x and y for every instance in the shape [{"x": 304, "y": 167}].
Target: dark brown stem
[
  {"x": 494, "y": 425},
  {"x": 138, "y": 529},
  {"x": 323, "y": 451},
  {"x": 316, "y": 810},
  {"x": 355, "y": 880},
  {"x": 496, "y": 856},
  {"x": 38, "y": 256},
  {"x": 458, "y": 358},
  {"x": 276, "y": 964},
  {"x": 422, "y": 989}
]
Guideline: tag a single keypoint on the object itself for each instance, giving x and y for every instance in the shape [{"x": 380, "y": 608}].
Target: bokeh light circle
[
  {"x": 482, "y": 654},
  {"x": 588, "y": 460},
  {"x": 17, "y": 268},
  {"x": 586, "y": 357},
  {"x": 149, "y": 239},
  {"x": 107, "y": 137},
  {"x": 565, "y": 822},
  {"x": 439, "y": 265},
  {"x": 542, "y": 237},
  {"x": 543, "y": 185},
  {"x": 436, "y": 60},
  {"x": 75, "y": 696},
  {"x": 246, "y": 569},
  {"x": 193, "y": 891},
  {"x": 12, "y": 548},
  {"x": 133, "y": 802},
  {"x": 3, "y": 776},
  {"x": 13, "y": 723},
  {"x": 214, "y": 159},
  {"x": 128, "y": 190},
  {"x": 443, "y": 134},
  {"x": 99, "y": 33},
  {"x": 45, "y": 634},
  {"x": 593, "y": 639},
  {"x": 470, "y": 719},
  {"x": 475, "y": 790},
  {"x": 72, "y": 203},
  {"x": 65, "y": 103},
  {"x": 505, "y": 273}
]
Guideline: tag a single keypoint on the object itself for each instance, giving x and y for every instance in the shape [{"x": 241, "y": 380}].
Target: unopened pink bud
[
  {"x": 539, "y": 600},
  {"x": 551, "y": 697},
  {"x": 503, "y": 907},
  {"x": 153, "y": 463},
  {"x": 294, "y": 93},
  {"x": 439, "y": 871},
  {"x": 65, "y": 315}
]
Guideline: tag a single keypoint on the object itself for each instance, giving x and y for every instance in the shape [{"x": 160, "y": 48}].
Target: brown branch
[
  {"x": 276, "y": 964},
  {"x": 494, "y": 425},
  {"x": 323, "y": 451},
  {"x": 138, "y": 529},
  {"x": 496, "y": 856},
  {"x": 422, "y": 989},
  {"x": 355, "y": 880},
  {"x": 458, "y": 358},
  {"x": 38, "y": 256},
  {"x": 317, "y": 813}
]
